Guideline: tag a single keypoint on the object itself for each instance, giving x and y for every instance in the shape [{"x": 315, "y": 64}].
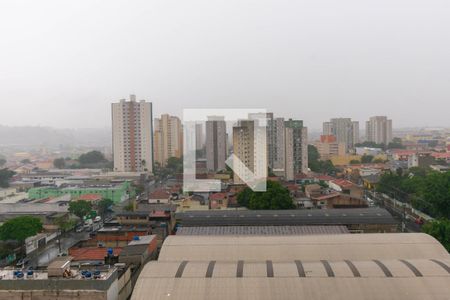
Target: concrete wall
[
  {"x": 53, "y": 295},
  {"x": 60, "y": 289},
  {"x": 32, "y": 207}
]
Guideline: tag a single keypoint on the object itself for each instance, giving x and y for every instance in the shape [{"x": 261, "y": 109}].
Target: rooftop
[
  {"x": 90, "y": 197},
  {"x": 262, "y": 230},
  {"x": 342, "y": 266},
  {"x": 286, "y": 217},
  {"x": 159, "y": 194},
  {"x": 143, "y": 240},
  {"x": 91, "y": 253}
]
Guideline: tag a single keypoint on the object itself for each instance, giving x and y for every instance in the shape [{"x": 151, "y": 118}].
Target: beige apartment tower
[
  {"x": 344, "y": 129},
  {"x": 379, "y": 130},
  {"x": 168, "y": 138},
  {"x": 132, "y": 138}
]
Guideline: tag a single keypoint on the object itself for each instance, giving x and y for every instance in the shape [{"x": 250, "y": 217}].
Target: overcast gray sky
[{"x": 63, "y": 62}]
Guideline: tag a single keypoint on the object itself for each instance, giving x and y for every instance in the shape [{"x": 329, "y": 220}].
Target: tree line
[
  {"x": 426, "y": 190},
  {"x": 92, "y": 159}
]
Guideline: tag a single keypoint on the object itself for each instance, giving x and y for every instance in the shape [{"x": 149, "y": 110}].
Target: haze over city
[{"x": 314, "y": 60}]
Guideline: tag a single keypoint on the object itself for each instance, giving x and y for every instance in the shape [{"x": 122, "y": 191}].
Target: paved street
[{"x": 51, "y": 250}]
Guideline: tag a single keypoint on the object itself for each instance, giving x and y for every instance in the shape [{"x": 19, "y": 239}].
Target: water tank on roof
[
  {"x": 110, "y": 251},
  {"x": 136, "y": 238}
]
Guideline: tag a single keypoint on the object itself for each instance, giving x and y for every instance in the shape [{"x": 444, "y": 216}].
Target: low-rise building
[
  {"x": 116, "y": 192},
  {"x": 218, "y": 201},
  {"x": 329, "y": 147},
  {"x": 64, "y": 280},
  {"x": 159, "y": 196},
  {"x": 347, "y": 187},
  {"x": 355, "y": 219}
]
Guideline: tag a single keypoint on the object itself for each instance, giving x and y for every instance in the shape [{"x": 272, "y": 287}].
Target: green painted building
[{"x": 116, "y": 192}]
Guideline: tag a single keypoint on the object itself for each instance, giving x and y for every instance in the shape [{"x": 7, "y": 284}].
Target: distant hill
[{"x": 31, "y": 135}]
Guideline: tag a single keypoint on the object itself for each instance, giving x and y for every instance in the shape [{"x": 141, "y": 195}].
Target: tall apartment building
[
  {"x": 328, "y": 147},
  {"x": 276, "y": 145},
  {"x": 286, "y": 143},
  {"x": 132, "y": 137},
  {"x": 168, "y": 138},
  {"x": 296, "y": 148},
  {"x": 244, "y": 147},
  {"x": 344, "y": 129},
  {"x": 199, "y": 137},
  {"x": 379, "y": 130},
  {"x": 216, "y": 143}
]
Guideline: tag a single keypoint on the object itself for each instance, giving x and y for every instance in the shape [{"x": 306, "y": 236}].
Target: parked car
[{"x": 79, "y": 229}]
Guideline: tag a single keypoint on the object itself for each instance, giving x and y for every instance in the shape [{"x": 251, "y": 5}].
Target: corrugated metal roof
[
  {"x": 331, "y": 267},
  {"x": 286, "y": 288},
  {"x": 306, "y": 247},
  {"x": 262, "y": 230},
  {"x": 286, "y": 217}
]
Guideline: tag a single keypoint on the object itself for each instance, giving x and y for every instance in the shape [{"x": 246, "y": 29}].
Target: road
[{"x": 43, "y": 256}]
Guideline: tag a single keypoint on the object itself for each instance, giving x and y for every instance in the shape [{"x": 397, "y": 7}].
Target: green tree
[
  {"x": 440, "y": 230},
  {"x": 65, "y": 224},
  {"x": 243, "y": 197},
  {"x": 378, "y": 161},
  {"x": 20, "y": 228},
  {"x": 426, "y": 190},
  {"x": 2, "y": 162},
  {"x": 366, "y": 159},
  {"x": 80, "y": 208},
  {"x": 5, "y": 176},
  {"x": 396, "y": 144},
  {"x": 92, "y": 157},
  {"x": 104, "y": 205},
  {"x": 175, "y": 165},
  {"x": 317, "y": 165},
  {"x": 355, "y": 162},
  {"x": 25, "y": 161},
  {"x": 313, "y": 154},
  {"x": 59, "y": 163},
  {"x": 436, "y": 190},
  {"x": 276, "y": 197},
  {"x": 129, "y": 207}
]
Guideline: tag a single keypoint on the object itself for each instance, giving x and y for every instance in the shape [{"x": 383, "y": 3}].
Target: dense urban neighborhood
[{"x": 87, "y": 213}]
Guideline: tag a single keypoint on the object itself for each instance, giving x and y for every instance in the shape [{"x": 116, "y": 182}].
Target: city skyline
[{"x": 303, "y": 60}]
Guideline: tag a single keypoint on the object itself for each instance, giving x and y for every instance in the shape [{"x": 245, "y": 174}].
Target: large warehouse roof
[
  {"x": 285, "y": 217},
  {"x": 332, "y": 267},
  {"x": 306, "y": 247},
  {"x": 262, "y": 230}
]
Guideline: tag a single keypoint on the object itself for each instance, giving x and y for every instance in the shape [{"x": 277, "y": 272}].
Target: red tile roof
[
  {"x": 402, "y": 152},
  {"x": 90, "y": 197},
  {"x": 91, "y": 253},
  {"x": 301, "y": 176},
  {"x": 159, "y": 194},
  {"x": 217, "y": 196},
  {"x": 324, "y": 197},
  {"x": 439, "y": 155},
  {"x": 343, "y": 183},
  {"x": 159, "y": 213},
  {"x": 324, "y": 177},
  {"x": 292, "y": 187}
]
